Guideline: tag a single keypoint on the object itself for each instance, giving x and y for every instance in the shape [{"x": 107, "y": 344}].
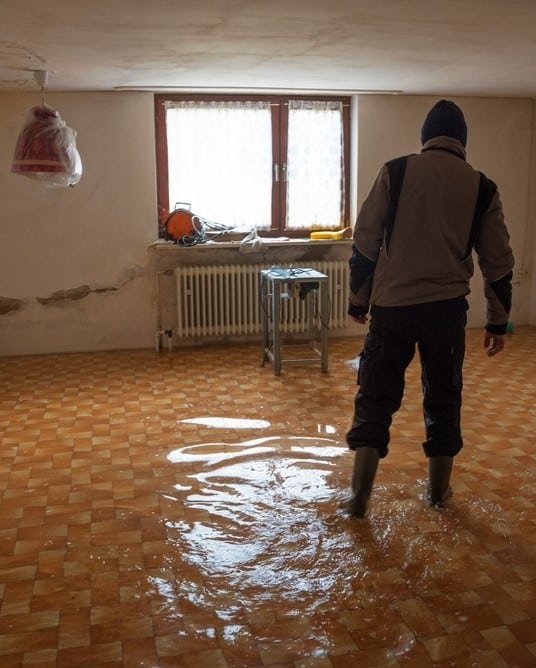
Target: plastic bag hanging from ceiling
[{"x": 46, "y": 149}]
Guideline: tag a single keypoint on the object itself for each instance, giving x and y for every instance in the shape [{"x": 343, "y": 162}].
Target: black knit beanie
[{"x": 444, "y": 119}]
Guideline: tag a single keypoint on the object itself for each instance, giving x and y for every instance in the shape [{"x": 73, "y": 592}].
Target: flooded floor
[{"x": 182, "y": 510}]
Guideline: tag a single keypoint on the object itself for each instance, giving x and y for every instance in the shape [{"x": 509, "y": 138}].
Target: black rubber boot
[
  {"x": 439, "y": 469},
  {"x": 365, "y": 466}
]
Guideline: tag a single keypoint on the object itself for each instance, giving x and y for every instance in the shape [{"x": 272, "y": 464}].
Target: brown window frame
[{"x": 279, "y": 105}]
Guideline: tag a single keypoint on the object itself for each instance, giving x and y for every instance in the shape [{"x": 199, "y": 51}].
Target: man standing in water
[{"x": 411, "y": 263}]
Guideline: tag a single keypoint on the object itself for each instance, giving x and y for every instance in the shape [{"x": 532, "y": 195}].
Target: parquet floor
[{"x": 182, "y": 509}]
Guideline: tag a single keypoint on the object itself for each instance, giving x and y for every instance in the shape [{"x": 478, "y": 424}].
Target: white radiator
[{"x": 224, "y": 300}]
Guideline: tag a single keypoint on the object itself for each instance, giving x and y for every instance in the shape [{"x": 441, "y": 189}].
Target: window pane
[
  {"x": 220, "y": 160},
  {"x": 315, "y": 163}
]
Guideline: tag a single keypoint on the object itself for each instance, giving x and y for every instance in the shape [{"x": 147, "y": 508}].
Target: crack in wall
[
  {"x": 8, "y": 305},
  {"x": 74, "y": 294},
  {"x": 65, "y": 295},
  {"x": 60, "y": 297},
  {"x": 82, "y": 291}
]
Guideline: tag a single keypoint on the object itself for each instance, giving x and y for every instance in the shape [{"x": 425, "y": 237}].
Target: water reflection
[
  {"x": 228, "y": 423},
  {"x": 262, "y": 529},
  {"x": 265, "y": 532}
]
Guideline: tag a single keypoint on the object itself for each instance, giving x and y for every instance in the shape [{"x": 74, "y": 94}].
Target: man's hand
[
  {"x": 494, "y": 342},
  {"x": 360, "y": 319}
]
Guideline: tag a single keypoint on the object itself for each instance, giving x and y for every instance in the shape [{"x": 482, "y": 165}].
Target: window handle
[
  {"x": 276, "y": 172},
  {"x": 284, "y": 170}
]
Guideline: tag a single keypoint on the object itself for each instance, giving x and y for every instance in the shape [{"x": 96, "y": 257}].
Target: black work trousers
[{"x": 438, "y": 332}]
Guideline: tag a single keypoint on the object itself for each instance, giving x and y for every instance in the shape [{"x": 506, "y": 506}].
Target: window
[{"x": 277, "y": 164}]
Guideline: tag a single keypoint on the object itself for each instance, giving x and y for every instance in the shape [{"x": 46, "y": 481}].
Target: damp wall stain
[
  {"x": 8, "y": 305},
  {"x": 60, "y": 297},
  {"x": 66, "y": 295},
  {"x": 74, "y": 294}
]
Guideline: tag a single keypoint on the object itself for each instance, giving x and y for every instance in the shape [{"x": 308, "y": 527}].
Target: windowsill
[{"x": 163, "y": 245}]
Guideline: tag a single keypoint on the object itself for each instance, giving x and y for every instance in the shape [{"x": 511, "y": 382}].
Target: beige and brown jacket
[{"x": 425, "y": 253}]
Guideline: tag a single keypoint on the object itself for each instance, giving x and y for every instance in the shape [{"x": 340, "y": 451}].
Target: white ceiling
[{"x": 444, "y": 47}]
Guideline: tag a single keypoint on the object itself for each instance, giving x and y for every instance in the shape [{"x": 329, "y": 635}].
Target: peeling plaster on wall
[
  {"x": 74, "y": 294},
  {"x": 65, "y": 295},
  {"x": 8, "y": 304},
  {"x": 131, "y": 274}
]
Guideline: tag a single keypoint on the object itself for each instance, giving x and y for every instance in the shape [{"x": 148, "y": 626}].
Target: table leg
[
  {"x": 276, "y": 317},
  {"x": 324, "y": 324},
  {"x": 265, "y": 305}
]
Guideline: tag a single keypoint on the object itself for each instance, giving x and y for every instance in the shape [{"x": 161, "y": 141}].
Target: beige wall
[
  {"x": 75, "y": 261},
  {"x": 94, "y": 234}
]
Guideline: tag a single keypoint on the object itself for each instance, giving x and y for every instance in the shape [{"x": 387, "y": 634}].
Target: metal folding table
[{"x": 278, "y": 283}]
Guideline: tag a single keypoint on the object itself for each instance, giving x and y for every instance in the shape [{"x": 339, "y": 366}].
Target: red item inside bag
[{"x": 46, "y": 149}]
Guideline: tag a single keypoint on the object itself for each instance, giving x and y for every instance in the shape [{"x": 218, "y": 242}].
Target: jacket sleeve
[
  {"x": 496, "y": 262},
  {"x": 367, "y": 241}
]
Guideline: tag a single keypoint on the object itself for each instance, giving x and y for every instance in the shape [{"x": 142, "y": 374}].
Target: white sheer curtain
[
  {"x": 220, "y": 160},
  {"x": 315, "y": 186}
]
